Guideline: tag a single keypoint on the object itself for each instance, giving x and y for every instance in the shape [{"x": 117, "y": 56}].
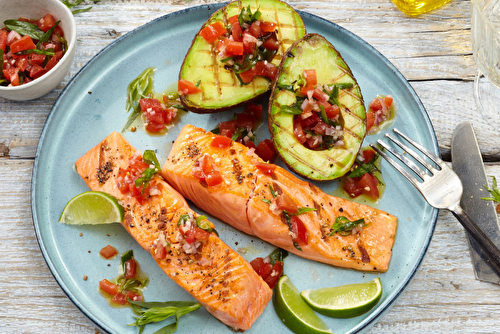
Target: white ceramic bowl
[{"x": 36, "y": 9}]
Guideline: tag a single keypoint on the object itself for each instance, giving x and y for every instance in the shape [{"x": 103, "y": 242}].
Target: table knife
[{"x": 468, "y": 164}]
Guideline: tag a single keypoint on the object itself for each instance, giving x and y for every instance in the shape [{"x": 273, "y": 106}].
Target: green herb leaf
[
  {"x": 343, "y": 224},
  {"x": 238, "y": 133},
  {"x": 24, "y": 28},
  {"x": 278, "y": 255},
  {"x": 148, "y": 157},
  {"x": 272, "y": 191},
  {"x": 136, "y": 90},
  {"x": 495, "y": 193},
  {"x": 205, "y": 225},
  {"x": 291, "y": 110},
  {"x": 125, "y": 257},
  {"x": 48, "y": 52},
  {"x": 303, "y": 210},
  {"x": 182, "y": 219},
  {"x": 47, "y": 34},
  {"x": 265, "y": 200},
  {"x": 364, "y": 168}
]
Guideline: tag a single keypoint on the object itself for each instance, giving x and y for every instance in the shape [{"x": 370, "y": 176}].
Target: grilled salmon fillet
[
  {"x": 215, "y": 275},
  {"x": 244, "y": 199}
]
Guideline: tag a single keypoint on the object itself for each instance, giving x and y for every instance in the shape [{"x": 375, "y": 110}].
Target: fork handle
[{"x": 488, "y": 247}]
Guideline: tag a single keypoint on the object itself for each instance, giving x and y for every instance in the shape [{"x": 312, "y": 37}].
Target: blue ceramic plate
[{"x": 93, "y": 105}]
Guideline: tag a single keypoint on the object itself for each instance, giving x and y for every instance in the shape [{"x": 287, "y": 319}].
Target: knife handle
[{"x": 486, "y": 244}]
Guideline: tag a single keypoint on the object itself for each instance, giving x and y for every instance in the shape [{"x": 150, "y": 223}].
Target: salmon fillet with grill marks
[
  {"x": 242, "y": 200},
  {"x": 215, "y": 275}
]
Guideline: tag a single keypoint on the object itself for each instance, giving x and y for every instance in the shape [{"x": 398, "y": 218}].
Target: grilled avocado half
[
  {"x": 315, "y": 52},
  {"x": 220, "y": 88}
]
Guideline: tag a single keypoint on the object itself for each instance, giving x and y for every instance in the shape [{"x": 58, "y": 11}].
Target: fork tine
[
  {"x": 422, "y": 149},
  {"x": 411, "y": 152},
  {"x": 423, "y": 175},
  {"x": 394, "y": 164}
]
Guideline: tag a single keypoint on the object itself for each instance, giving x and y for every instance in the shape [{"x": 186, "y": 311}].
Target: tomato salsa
[
  {"x": 316, "y": 113},
  {"x": 380, "y": 111},
  {"x": 246, "y": 46},
  {"x": 30, "y": 48}
]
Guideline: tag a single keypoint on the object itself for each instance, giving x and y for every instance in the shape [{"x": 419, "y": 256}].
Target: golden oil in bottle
[{"x": 417, "y": 7}]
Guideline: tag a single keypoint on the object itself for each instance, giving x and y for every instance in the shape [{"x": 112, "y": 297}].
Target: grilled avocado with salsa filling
[
  {"x": 234, "y": 58},
  {"x": 316, "y": 111}
]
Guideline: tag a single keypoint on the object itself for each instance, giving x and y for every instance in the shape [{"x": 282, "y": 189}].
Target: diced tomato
[
  {"x": 369, "y": 183},
  {"x": 261, "y": 267},
  {"x": 194, "y": 233},
  {"x": 227, "y": 127},
  {"x": 233, "y": 19},
  {"x": 214, "y": 178},
  {"x": 213, "y": 31},
  {"x": 154, "y": 127},
  {"x": 207, "y": 164},
  {"x": 200, "y": 234},
  {"x": 22, "y": 62},
  {"x": 237, "y": 32},
  {"x": 251, "y": 144},
  {"x": 376, "y": 104},
  {"x": 134, "y": 296},
  {"x": 57, "y": 32},
  {"x": 25, "y": 43},
  {"x": 274, "y": 274},
  {"x": 186, "y": 87},
  {"x": 370, "y": 120},
  {"x": 234, "y": 48},
  {"x": 36, "y": 71},
  {"x": 311, "y": 81},
  {"x": 130, "y": 268},
  {"x": 318, "y": 94},
  {"x": 299, "y": 132},
  {"x": 265, "y": 150},
  {"x": 52, "y": 62},
  {"x": 266, "y": 168},
  {"x": 388, "y": 101},
  {"x": 271, "y": 43},
  {"x": 267, "y": 26},
  {"x": 266, "y": 69},
  {"x": 108, "y": 252},
  {"x": 254, "y": 109},
  {"x": 3, "y": 40},
  {"x": 119, "y": 298},
  {"x": 368, "y": 154},
  {"x": 12, "y": 74},
  {"x": 221, "y": 142},
  {"x": 36, "y": 59},
  {"x": 46, "y": 22},
  {"x": 169, "y": 115},
  {"x": 108, "y": 287},
  {"x": 247, "y": 76},
  {"x": 245, "y": 121},
  {"x": 161, "y": 252},
  {"x": 254, "y": 29},
  {"x": 249, "y": 43},
  {"x": 285, "y": 202},
  {"x": 299, "y": 230},
  {"x": 352, "y": 188}
]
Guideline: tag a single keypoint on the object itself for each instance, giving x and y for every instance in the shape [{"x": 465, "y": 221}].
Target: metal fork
[{"x": 442, "y": 189}]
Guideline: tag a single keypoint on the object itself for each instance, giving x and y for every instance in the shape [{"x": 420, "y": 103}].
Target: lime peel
[
  {"x": 345, "y": 301},
  {"x": 294, "y": 312},
  {"x": 92, "y": 207}
]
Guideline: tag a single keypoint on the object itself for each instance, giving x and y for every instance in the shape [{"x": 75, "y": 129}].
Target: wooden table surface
[{"x": 432, "y": 51}]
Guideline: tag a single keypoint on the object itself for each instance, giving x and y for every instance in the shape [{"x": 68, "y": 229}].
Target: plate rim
[{"x": 365, "y": 323}]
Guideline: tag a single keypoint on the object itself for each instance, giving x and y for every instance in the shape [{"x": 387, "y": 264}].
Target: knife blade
[{"x": 468, "y": 164}]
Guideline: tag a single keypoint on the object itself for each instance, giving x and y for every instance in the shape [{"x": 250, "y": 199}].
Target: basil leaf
[
  {"x": 495, "y": 193},
  {"x": 278, "y": 255},
  {"x": 131, "y": 118},
  {"x": 364, "y": 168},
  {"x": 148, "y": 157},
  {"x": 156, "y": 312},
  {"x": 238, "y": 133},
  {"x": 47, "y": 34},
  {"x": 343, "y": 224},
  {"x": 24, "y": 28},
  {"x": 290, "y": 110},
  {"x": 139, "y": 88},
  {"x": 47, "y": 52}
]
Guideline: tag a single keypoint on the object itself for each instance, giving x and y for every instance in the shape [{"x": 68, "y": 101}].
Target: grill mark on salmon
[
  {"x": 216, "y": 276},
  {"x": 241, "y": 205}
]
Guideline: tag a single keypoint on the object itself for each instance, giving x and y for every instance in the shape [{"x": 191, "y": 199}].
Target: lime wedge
[
  {"x": 345, "y": 301},
  {"x": 92, "y": 207},
  {"x": 293, "y": 310}
]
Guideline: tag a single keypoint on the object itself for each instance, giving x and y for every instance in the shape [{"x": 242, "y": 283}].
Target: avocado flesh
[
  {"x": 221, "y": 89},
  {"x": 315, "y": 52}
]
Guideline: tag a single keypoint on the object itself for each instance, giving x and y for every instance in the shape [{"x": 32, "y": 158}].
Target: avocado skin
[
  {"x": 312, "y": 51},
  {"x": 217, "y": 97}
]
